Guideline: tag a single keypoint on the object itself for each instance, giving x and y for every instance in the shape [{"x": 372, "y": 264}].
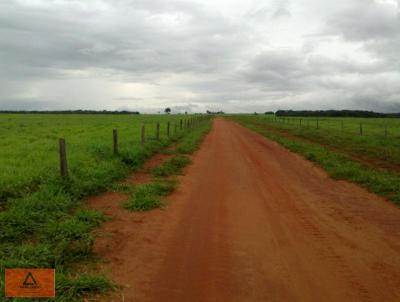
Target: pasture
[
  {"x": 42, "y": 220},
  {"x": 29, "y": 148}
]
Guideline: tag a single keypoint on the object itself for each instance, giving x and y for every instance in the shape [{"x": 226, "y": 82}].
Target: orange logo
[{"x": 30, "y": 283}]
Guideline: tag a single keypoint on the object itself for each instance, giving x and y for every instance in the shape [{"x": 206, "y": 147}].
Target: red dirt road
[{"x": 251, "y": 221}]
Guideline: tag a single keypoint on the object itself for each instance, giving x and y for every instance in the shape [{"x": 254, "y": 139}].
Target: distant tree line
[
  {"x": 334, "y": 113},
  {"x": 70, "y": 112},
  {"x": 215, "y": 112}
]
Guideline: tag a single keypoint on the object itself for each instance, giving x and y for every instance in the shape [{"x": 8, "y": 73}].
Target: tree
[{"x": 167, "y": 110}]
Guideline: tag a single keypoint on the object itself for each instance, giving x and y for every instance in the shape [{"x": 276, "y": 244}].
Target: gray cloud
[
  {"x": 136, "y": 42},
  {"x": 198, "y": 55},
  {"x": 376, "y": 25},
  {"x": 367, "y": 20}
]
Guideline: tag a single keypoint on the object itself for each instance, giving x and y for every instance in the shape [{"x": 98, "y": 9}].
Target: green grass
[
  {"x": 29, "y": 149},
  {"x": 124, "y": 188},
  {"x": 84, "y": 286},
  {"x": 172, "y": 166},
  {"x": 339, "y": 166},
  {"x": 344, "y": 134},
  {"x": 148, "y": 196},
  {"x": 41, "y": 220},
  {"x": 192, "y": 141}
]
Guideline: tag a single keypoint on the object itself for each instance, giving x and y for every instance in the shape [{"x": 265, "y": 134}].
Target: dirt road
[{"x": 251, "y": 221}]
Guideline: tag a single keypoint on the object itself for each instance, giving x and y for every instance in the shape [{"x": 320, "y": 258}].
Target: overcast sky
[{"x": 194, "y": 55}]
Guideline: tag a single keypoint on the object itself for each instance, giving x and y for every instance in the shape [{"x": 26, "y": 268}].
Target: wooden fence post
[
  {"x": 168, "y": 128},
  {"x": 181, "y": 124},
  {"x": 158, "y": 131},
  {"x": 115, "y": 141},
  {"x": 361, "y": 129},
  {"x": 63, "y": 158},
  {"x": 143, "y": 137}
]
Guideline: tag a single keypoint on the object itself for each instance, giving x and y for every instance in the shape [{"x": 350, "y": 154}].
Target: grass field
[
  {"x": 29, "y": 148},
  {"x": 374, "y": 138},
  {"x": 370, "y": 156},
  {"x": 41, "y": 221}
]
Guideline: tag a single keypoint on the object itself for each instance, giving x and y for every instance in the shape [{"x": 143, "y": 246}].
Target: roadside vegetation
[
  {"x": 374, "y": 139},
  {"x": 41, "y": 220},
  {"x": 191, "y": 142},
  {"x": 338, "y": 153},
  {"x": 149, "y": 196},
  {"x": 172, "y": 166}
]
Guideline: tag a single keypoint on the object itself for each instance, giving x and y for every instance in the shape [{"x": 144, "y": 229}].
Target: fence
[
  {"x": 185, "y": 124},
  {"x": 375, "y": 127}
]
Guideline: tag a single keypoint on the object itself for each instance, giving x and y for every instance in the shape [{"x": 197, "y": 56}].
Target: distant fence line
[
  {"x": 185, "y": 124},
  {"x": 317, "y": 123}
]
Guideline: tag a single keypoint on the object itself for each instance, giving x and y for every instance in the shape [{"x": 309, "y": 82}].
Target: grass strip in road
[
  {"x": 172, "y": 166},
  {"x": 148, "y": 196},
  {"x": 338, "y": 166},
  {"x": 191, "y": 142}
]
